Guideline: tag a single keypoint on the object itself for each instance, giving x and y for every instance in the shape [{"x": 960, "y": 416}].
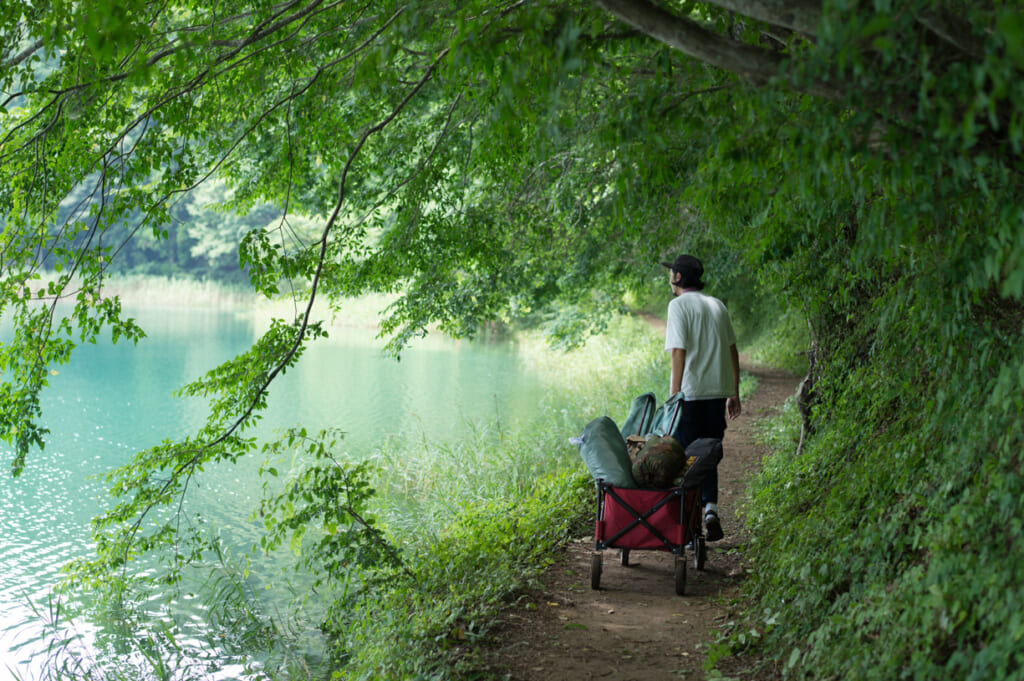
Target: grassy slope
[{"x": 889, "y": 547}]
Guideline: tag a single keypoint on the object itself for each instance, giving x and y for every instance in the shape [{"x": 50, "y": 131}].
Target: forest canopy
[
  {"x": 485, "y": 161},
  {"x": 854, "y": 165}
]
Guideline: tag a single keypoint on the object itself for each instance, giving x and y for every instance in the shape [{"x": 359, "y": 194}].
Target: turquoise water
[{"x": 115, "y": 400}]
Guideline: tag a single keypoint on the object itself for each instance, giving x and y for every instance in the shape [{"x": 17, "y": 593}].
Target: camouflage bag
[{"x": 659, "y": 463}]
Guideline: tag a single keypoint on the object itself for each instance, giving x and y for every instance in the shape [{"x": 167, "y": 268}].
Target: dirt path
[{"x": 635, "y": 628}]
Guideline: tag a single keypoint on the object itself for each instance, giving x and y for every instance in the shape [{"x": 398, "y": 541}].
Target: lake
[{"x": 115, "y": 400}]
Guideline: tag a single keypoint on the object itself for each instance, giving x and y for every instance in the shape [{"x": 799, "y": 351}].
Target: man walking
[{"x": 705, "y": 367}]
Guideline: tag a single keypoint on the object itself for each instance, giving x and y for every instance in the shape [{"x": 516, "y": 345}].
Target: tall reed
[{"x": 424, "y": 483}]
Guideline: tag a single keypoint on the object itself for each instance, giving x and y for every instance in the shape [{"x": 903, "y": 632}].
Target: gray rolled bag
[{"x": 603, "y": 450}]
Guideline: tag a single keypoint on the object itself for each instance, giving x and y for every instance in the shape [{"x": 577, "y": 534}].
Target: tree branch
[
  {"x": 752, "y": 63},
  {"x": 21, "y": 56},
  {"x": 186, "y": 468},
  {"x": 954, "y": 32},
  {"x": 802, "y": 16}
]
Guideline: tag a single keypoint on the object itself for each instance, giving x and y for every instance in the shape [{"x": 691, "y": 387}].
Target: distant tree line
[{"x": 199, "y": 239}]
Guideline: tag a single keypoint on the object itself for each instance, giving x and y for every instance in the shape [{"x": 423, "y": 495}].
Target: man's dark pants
[{"x": 703, "y": 418}]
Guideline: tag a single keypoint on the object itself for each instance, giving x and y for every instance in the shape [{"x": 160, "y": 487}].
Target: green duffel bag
[{"x": 659, "y": 463}]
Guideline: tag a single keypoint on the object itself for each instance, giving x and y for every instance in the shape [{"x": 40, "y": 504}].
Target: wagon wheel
[
  {"x": 700, "y": 553},
  {"x": 680, "y": 575},
  {"x": 624, "y": 557},
  {"x": 595, "y": 570}
]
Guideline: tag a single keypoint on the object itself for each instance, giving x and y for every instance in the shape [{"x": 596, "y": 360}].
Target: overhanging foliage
[{"x": 861, "y": 162}]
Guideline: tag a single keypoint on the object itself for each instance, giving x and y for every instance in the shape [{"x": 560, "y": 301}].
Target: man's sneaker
[{"x": 712, "y": 526}]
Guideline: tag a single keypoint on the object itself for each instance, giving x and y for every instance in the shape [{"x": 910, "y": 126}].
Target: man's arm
[
  {"x": 732, "y": 405},
  {"x": 678, "y": 362}
]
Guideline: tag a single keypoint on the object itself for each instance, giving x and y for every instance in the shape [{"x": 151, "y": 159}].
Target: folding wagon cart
[{"x": 649, "y": 519}]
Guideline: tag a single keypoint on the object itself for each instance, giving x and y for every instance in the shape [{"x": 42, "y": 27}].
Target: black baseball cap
[{"x": 690, "y": 271}]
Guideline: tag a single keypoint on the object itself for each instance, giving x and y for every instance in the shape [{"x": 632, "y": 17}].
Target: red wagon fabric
[{"x": 647, "y": 519}]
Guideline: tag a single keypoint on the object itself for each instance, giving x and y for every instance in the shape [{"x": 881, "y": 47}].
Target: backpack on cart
[{"x": 702, "y": 457}]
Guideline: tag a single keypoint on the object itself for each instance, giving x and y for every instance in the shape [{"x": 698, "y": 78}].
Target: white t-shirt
[{"x": 700, "y": 325}]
